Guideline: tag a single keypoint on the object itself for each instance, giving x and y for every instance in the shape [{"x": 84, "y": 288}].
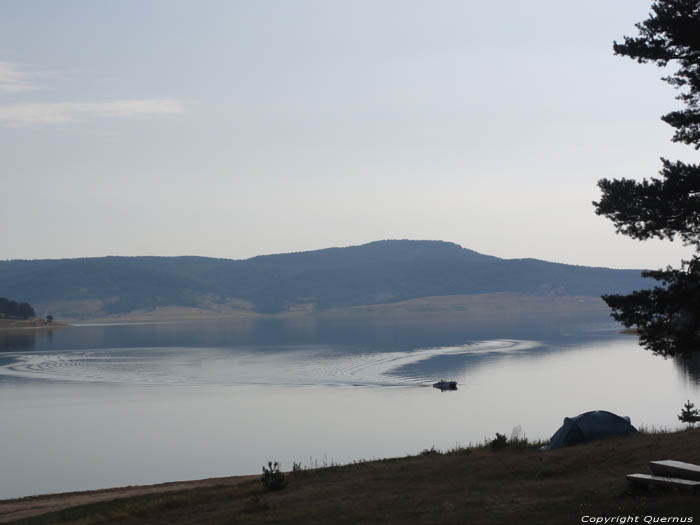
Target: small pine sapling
[
  {"x": 689, "y": 414},
  {"x": 272, "y": 477},
  {"x": 499, "y": 443}
]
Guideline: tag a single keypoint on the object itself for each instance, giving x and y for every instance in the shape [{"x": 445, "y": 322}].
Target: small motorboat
[{"x": 445, "y": 385}]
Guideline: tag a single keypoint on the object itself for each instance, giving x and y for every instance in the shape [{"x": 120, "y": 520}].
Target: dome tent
[{"x": 589, "y": 426}]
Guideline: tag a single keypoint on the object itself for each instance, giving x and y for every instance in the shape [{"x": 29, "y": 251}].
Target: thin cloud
[
  {"x": 39, "y": 113},
  {"x": 13, "y": 80}
]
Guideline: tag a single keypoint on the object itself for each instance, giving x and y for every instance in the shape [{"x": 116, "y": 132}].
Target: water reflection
[
  {"x": 371, "y": 333},
  {"x": 17, "y": 340},
  {"x": 358, "y": 350},
  {"x": 689, "y": 367},
  {"x": 302, "y": 350},
  {"x": 146, "y": 393},
  {"x": 269, "y": 365}
]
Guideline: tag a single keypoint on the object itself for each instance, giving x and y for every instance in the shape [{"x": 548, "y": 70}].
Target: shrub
[
  {"x": 499, "y": 443},
  {"x": 272, "y": 477}
]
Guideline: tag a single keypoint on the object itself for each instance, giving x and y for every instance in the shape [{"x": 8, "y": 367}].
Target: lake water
[{"x": 97, "y": 406}]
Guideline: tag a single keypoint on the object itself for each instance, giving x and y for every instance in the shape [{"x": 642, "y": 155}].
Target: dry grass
[{"x": 515, "y": 485}]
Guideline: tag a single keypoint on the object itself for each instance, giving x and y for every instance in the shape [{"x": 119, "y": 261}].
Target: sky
[{"x": 239, "y": 128}]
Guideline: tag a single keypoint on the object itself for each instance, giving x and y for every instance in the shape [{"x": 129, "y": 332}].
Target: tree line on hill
[
  {"x": 10, "y": 308},
  {"x": 378, "y": 272}
]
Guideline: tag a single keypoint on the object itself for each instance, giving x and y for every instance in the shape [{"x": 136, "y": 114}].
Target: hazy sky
[{"x": 232, "y": 129}]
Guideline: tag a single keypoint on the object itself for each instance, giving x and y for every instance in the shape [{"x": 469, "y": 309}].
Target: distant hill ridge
[{"x": 377, "y": 272}]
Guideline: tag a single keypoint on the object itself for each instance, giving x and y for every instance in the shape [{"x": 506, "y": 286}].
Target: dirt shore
[
  {"x": 28, "y": 324},
  {"x": 15, "y": 509}
]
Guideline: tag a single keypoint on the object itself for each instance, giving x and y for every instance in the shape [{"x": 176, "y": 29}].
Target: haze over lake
[{"x": 106, "y": 405}]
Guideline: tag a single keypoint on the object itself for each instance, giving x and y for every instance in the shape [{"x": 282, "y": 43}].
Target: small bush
[
  {"x": 499, "y": 443},
  {"x": 272, "y": 477},
  {"x": 430, "y": 451}
]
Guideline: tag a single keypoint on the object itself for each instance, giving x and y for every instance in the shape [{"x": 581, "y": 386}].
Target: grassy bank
[{"x": 518, "y": 484}]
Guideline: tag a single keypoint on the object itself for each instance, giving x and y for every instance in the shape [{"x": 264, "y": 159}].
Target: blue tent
[{"x": 589, "y": 426}]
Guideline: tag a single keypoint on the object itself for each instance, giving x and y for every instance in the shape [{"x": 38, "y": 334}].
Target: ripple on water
[{"x": 282, "y": 366}]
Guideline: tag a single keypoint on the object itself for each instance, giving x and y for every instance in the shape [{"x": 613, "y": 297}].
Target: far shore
[
  {"x": 457, "y": 308},
  {"x": 29, "y": 324}
]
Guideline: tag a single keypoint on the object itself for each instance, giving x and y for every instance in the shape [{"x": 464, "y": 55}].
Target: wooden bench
[
  {"x": 675, "y": 469},
  {"x": 678, "y": 483}
]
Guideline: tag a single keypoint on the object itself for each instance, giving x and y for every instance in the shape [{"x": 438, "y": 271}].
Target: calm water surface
[{"x": 98, "y": 406}]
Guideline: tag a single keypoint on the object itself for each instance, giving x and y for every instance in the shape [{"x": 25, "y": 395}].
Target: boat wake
[{"x": 289, "y": 366}]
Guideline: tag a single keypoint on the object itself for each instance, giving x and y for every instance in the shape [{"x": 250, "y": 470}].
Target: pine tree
[
  {"x": 668, "y": 316},
  {"x": 689, "y": 414}
]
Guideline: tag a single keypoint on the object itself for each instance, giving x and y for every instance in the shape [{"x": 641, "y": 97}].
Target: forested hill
[{"x": 378, "y": 272}]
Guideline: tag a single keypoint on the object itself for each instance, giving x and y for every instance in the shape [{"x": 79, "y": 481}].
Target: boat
[{"x": 445, "y": 385}]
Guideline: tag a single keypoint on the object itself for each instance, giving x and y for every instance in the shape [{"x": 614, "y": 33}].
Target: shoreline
[
  {"x": 11, "y": 325},
  {"x": 476, "y": 484},
  {"x": 29, "y": 506},
  {"x": 486, "y": 306}
]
